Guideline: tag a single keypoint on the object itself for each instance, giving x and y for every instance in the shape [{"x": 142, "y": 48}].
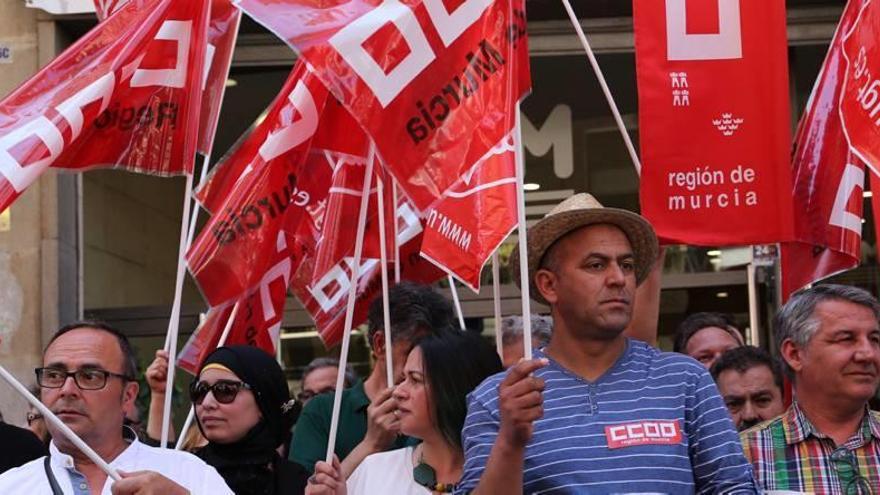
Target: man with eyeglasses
[
  {"x": 828, "y": 441},
  {"x": 88, "y": 381}
]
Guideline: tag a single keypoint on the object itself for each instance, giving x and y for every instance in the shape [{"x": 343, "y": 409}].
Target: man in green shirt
[{"x": 367, "y": 423}]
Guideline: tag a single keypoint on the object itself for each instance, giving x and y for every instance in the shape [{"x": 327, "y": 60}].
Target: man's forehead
[
  {"x": 596, "y": 236},
  {"x": 84, "y": 345}
]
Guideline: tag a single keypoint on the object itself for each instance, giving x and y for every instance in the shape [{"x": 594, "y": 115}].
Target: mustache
[
  {"x": 68, "y": 406},
  {"x": 745, "y": 425}
]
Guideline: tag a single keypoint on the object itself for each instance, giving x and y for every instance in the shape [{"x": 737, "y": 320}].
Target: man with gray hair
[
  {"x": 828, "y": 441},
  {"x": 512, "y": 336}
]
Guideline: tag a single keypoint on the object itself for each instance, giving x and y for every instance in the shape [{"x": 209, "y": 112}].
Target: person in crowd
[
  {"x": 244, "y": 409},
  {"x": 440, "y": 371},
  {"x": 35, "y": 421},
  {"x": 320, "y": 377},
  {"x": 19, "y": 446},
  {"x": 88, "y": 381},
  {"x": 706, "y": 336},
  {"x": 367, "y": 423},
  {"x": 512, "y": 336},
  {"x": 596, "y": 411},
  {"x": 828, "y": 441},
  {"x": 750, "y": 382}
]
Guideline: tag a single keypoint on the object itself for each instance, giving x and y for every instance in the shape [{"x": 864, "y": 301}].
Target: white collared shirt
[{"x": 183, "y": 468}]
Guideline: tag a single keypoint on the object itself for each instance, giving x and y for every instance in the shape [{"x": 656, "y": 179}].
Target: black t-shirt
[{"x": 20, "y": 446}]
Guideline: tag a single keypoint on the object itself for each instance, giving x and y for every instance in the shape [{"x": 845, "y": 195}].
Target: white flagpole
[
  {"x": 523, "y": 245},
  {"x": 174, "y": 321},
  {"x": 394, "y": 198},
  {"x": 220, "y": 343},
  {"x": 57, "y": 423},
  {"x": 598, "y": 70},
  {"x": 193, "y": 219},
  {"x": 457, "y": 302},
  {"x": 349, "y": 310},
  {"x": 496, "y": 303},
  {"x": 383, "y": 254}
]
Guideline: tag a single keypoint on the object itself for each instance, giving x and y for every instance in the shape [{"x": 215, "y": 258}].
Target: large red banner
[
  {"x": 261, "y": 189},
  {"x": 860, "y": 98},
  {"x": 126, "y": 95},
  {"x": 474, "y": 217},
  {"x": 714, "y": 120},
  {"x": 828, "y": 180},
  {"x": 434, "y": 88}
]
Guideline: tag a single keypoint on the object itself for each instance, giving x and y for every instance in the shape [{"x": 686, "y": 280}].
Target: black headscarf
[{"x": 245, "y": 464}]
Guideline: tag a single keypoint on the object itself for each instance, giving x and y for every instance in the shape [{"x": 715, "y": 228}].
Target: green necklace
[{"x": 425, "y": 475}]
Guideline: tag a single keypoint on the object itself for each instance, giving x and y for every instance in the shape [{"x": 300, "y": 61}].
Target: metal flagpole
[
  {"x": 349, "y": 310},
  {"x": 383, "y": 254},
  {"x": 604, "y": 85},
  {"x": 49, "y": 416},
  {"x": 220, "y": 343}
]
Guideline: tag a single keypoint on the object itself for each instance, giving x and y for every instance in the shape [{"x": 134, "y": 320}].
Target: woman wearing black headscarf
[{"x": 243, "y": 408}]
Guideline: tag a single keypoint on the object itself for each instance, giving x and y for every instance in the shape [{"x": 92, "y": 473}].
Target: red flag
[
  {"x": 828, "y": 180},
  {"x": 222, "y": 33},
  {"x": 104, "y": 8},
  {"x": 258, "y": 320},
  {"x": 434, "y": 89},
  {"x": 126, "y": 95},
  {"x": 260, "y": 190},
  {"x": 325, "y": 294},
  {"x": 860, "y": 98},
  {"x": 714, "y": 120},
  {"x": 474, "y": 217}
]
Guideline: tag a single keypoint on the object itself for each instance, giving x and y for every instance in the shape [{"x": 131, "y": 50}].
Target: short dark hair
[
  {"x": 129, "y": 360},
  {"x": 698, "y": 321},
  {"x": 415, "y": 309},
  {"x": 742, "y": 359},
  {"x": 329, "y": 362},
  {"x": 454, "y": 363}
]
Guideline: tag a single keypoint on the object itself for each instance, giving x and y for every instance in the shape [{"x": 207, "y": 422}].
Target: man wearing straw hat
[
  {"x": 595, "y": 411},
  {"x": 88, "y": 381}
]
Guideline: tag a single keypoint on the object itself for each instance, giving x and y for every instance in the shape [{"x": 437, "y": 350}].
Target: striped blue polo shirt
[{"x": 653, "y": 423}]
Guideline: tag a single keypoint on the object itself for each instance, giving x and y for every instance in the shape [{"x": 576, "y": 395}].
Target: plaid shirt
[{"x": 788, "y": 453}]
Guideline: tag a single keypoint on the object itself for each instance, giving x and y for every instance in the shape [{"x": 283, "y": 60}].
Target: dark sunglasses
[{"x": 224, "y": 391}]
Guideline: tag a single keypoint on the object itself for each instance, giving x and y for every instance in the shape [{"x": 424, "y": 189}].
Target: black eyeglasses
[
  {"x": 31, "y": 417},
  {"x": 224, "y": 391},
  {"x": 856, "y": 484},
  {"x": 305, "y": 395},
  {"x": 86, "y": 379}
]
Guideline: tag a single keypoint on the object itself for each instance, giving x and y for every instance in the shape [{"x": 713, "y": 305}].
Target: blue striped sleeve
[
  {"x": 716, "y": 453},
  {"x": 478, "y": 435}
]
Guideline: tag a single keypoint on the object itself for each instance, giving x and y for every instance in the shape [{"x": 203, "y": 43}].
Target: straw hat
[{"x": 579, "y": 211}]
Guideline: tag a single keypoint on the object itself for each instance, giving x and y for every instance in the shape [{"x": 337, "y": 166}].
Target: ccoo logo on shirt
[{"x": 643, "y": 433}]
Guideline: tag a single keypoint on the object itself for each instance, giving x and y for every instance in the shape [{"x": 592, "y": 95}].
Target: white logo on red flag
[
  {"x": 474, "y": 217},
  {"x": 707, "y": 178},
  {"x": 860, "y": 98},
  {"x": 828, "y": 180},
  {"x": 258, "y": 320},
  {"x": 435, "y": 89},
  {"x": 262, "y": 189},
  {"x": 129, "y": 100}
]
